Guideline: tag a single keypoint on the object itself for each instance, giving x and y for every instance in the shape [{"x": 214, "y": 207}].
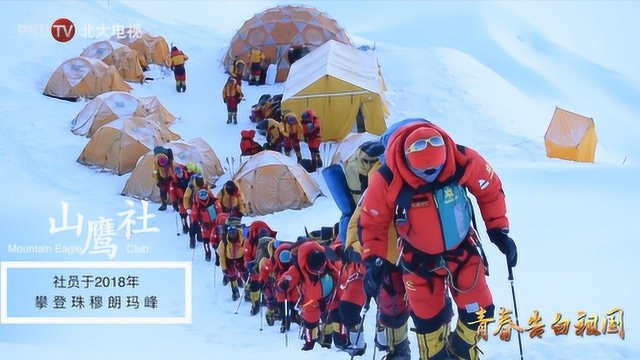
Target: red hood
[
  {"x": 248, "y": 133},
  {"x": 395, "y": 158}
]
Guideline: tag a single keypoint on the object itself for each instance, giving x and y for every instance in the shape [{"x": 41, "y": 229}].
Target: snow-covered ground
[{"x": 490, "y": 73}]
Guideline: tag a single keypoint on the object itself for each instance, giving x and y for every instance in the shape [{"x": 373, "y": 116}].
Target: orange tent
[
  {"x": 121, "y": 56},
  {"x": 277, "y": 29},
  {"x": 84, "y": 77},
  {"x": 152, "y": 49},
  {"x": 571, "y": 137},
  {"x": 117, "y": 146},
  {"x": 141, "y": 184},
  {"x": 112, "y": 105}
]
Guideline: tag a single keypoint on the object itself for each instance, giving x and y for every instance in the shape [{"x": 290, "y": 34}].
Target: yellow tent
[
  {"x": 117, "y": 146},
  {"x": 84, "y": 77},
  {"x": 125, "y": 60},
  {"x": 343, "y": 85},
  {"x": 152, "y": 49},
  {"x": 571, "y": 137},
  {"x": 272, "y": 182},
  {"x": 113, "y": 105},
  {"x": 141, "y": 184}
]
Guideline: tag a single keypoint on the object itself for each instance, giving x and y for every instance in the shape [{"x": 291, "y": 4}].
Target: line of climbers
[{"x": 407, "y": 224}]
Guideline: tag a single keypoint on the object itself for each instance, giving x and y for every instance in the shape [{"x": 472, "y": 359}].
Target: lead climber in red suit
[{"x": 423, "y": 189}]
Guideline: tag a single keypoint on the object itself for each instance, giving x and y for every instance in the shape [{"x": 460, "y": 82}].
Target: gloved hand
[
  {"x": 352, "y": 255},
  {"x": 189, "y": 211},
  {"x": 250, "y": 265},
  {"x": 505, "y": 244},
  {"x": 377, "y": 267},
  {"x": 284, "y": 285},
  {"x": 262, "y": 286},
  {"x": 310, "y": 127}
]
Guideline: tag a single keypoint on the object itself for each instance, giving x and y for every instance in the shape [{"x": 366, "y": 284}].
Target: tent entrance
[{"x": 359, "y": 126}]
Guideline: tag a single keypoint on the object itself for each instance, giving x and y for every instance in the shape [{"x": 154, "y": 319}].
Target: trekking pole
[
  {"x": 177, "y": 227},
  {"x": 285, "y": 318},
  {"x": 515, "y": 310},
  {"x": 240, "y": 301},
  {"x": 261, "y": 319},
  {"x": 241, "y": 298},
  {"x": 367, "y": 305},
  {"x": 215, "y": 271}
]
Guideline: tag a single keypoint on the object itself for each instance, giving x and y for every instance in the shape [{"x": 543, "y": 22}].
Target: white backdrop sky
[{"x": 490, "y": 73}]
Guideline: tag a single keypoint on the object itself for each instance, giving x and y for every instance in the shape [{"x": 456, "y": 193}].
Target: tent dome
[{"x": 277, "y": 29}]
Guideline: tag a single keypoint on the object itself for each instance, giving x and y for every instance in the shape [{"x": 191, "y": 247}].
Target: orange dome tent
[{"x": 277, "y": 29}]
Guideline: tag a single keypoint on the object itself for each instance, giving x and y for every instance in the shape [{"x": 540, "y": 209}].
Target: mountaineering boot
[
  {"x": 183, "y": 86},
  {"x": 192, "y": 242},
  {"x": 299, "y": 156},
  {"x": 217, "y": 259},
  {"x": 225, "y": 280},
  {"x": 326, "y": 336},
  {"x": 398, "y": 343},
  {"x": 234, "y": 116},
  {"x": 247, "y": 294},
  {"x": 400, "y": 351},
  {"x": 310, "y": 335},
  {"x": 175, "y": 206},
  {"x": 207, "y": 255},
  {"x": 178, "y": 86},
  {"x": 356, "y": 345},
  {"x": 163, "y": 207},
  {"x": 255, "y": 309},
  {"x": 380, "y": 338},
  {"x": 185, "y": 225},
  {"x": 432, "y": 345},
  {"x": 228, "y": 118},
  {"x": 235, "y": 293},
  {"x": 463, "y": 342},
  {"x": 255, "y": 302},
  {"x": 340, "y": 336},
  {"x": 285, "y": 325},
  {"x": 270, "y": 317}
]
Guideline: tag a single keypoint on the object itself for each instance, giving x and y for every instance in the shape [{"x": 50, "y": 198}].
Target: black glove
[
  {"x": 377, "y": 267},
  {"x": 352, "y": 255},
  {"x": 284, "y": 285},
  {"x": 250, "y": 265},
  {"x": 505, "y": 244}
]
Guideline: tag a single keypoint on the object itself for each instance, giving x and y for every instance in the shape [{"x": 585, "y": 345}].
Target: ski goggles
[{"x": 422, "y": 144}]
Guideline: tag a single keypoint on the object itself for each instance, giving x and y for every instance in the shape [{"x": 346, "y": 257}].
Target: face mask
[{"x": 430, "y": 175}]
